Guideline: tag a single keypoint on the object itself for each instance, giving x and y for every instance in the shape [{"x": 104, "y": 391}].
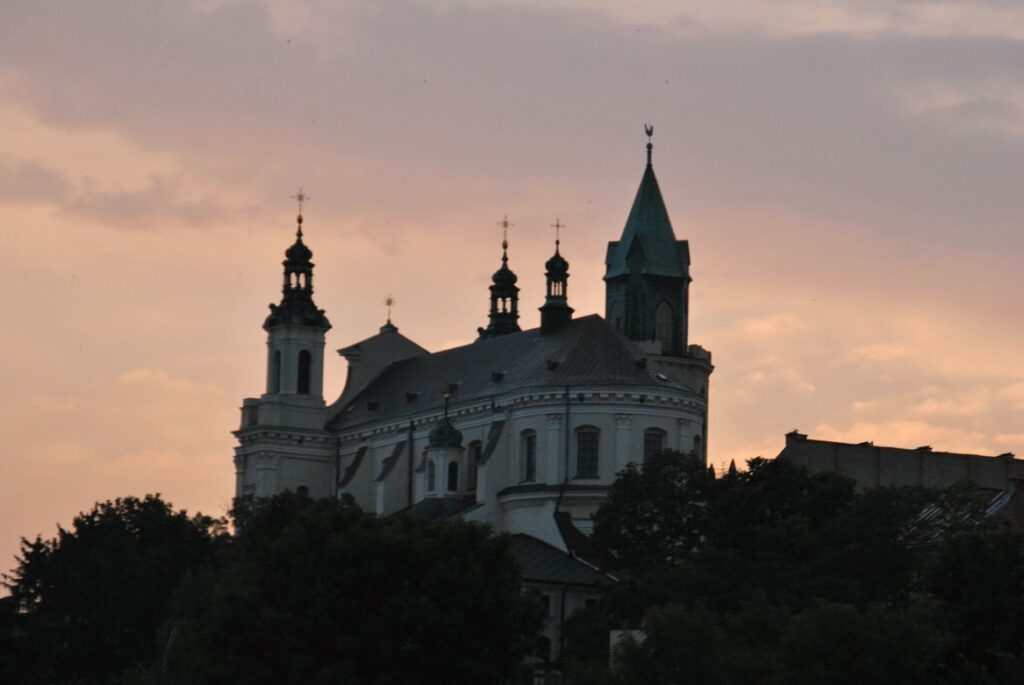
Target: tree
[
  {"x": 92, "y": 598},
  {"x": 318, "y": 591},
  {"x": 810, "y": 580},
  {"x": 658, "y": 513}
]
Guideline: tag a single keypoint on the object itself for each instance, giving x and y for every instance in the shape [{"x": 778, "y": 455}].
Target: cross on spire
[
  {"x": 389, "y": 302},
  {"x": 505, "y": 225},
  {"x": 558, "y": 226},
  {"x": 300, "y": 197}
]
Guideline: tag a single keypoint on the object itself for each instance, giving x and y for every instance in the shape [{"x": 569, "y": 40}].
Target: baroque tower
[
  {"x": 295, "y": 329},
  {"x": 647, "y": 274},
  {"x": 556, "y": 310},
  {"x": 282, "y": 444},
  {"x": 504, "y": 314}
]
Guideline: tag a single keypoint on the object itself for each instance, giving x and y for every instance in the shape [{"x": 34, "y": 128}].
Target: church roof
[
  {"x": 584, "y": 351},
  {"x": 648, "y": 239},
  {"x": 540, "y": 562}
]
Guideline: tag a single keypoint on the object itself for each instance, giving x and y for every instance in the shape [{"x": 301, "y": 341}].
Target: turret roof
[{"x": 649, "y": 227}]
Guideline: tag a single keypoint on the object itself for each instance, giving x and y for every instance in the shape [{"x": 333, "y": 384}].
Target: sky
[{"x": 848, "y": 174}]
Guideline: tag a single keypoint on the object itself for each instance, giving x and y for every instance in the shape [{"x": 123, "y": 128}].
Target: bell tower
[
  {"x": 504, "y": 314},
  {"x": 556, "y": 310},
  {"x": 647, "y": 273},
  {"x": 281, "y": 441},
  {"x": 296, "y": 327}
]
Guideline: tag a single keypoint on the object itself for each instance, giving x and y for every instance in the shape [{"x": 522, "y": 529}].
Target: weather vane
[
  {"x": 389, "y": 302},
  {"x": 558, "y": 226}
]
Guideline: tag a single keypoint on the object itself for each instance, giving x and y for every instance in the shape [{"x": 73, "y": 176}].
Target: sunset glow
[{"x": 848, "y": 179}]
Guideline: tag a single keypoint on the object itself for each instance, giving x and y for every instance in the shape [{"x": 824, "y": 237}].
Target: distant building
[
  {"x": 523, "y": 430},
  {"x": 872, "y": 466}
]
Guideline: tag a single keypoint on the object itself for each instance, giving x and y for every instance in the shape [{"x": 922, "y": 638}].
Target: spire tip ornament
[
  {"x": 649, "y": 130},
  {"x": 558, "y": 226},
  {"x": 300, "y": 197}
]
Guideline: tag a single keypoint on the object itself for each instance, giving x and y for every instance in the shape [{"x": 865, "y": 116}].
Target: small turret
[
  {"x": 504, "y": 314},
  {"x": 556, "y": 310},
  {"x": 445, "y": 457}
]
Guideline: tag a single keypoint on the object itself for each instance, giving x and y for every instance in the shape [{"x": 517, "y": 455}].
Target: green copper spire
[
  {"x": 647, "y": 273},
  {"x": 648, "y": 243}
]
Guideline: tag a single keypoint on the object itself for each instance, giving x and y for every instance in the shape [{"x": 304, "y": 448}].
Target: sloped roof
[
  {"x": 584, "y": 351},
  {"x": 390, "y": 461},
  {"x": 649, "y": 236},
  {"x": 542, "y": 563}
]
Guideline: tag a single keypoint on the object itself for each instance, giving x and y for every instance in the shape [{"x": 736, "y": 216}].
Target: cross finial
[
  {"x": 300, "y": 197},
  {"x": 389, "y": 302},
  {"x": 505, "y": 225},
  {"x": 558, "y": 226},
  {"x": 649, "y": 130}
]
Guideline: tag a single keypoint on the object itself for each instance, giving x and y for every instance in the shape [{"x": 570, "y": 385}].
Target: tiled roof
[
  {"x": 584, "y": 351},
  {"x": 542, "y": 563}
]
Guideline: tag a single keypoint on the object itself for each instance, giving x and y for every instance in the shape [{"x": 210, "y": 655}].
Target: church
[{"x": 522, "y": 429}]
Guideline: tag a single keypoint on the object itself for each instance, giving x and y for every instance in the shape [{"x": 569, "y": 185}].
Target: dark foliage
[
  {"x": 86, "y": 605},
  {"x": 317, "y": 591},
  {"x": 774, "y": 575}
]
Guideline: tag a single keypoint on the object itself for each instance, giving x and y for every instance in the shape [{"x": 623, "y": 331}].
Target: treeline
[
  {"x": 306, "y": 591},
  {"x": 772, "y": 575}
]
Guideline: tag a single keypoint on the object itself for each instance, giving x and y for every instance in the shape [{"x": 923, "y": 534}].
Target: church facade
[{"x": 521, "y": 429}]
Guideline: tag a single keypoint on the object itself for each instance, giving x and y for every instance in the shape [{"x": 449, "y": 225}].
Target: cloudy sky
[{"x": 848, "y": 174}]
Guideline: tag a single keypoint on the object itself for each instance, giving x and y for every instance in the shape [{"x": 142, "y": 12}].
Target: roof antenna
[{"x": 649, "y": 130}]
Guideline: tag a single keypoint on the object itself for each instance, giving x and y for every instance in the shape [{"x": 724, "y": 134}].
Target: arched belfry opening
[{"x": 305, "y": 369}]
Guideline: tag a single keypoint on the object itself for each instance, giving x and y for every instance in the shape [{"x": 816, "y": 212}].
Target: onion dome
[
  {"x": 556, "y": 266},
  {"x": 298, "y": 252},
  {"x": 444, "y": 434},
  {"x": 504, "y": 277}
]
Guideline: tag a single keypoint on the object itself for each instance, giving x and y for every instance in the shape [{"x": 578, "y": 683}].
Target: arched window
[
  {"x": 453, "y": 476},
  {"x": 305, "y": 371},
  {"x": 654, "y": 441},
  {"x": 663, "y": 326},
  {"x": 587, "y": 458},
  {"x": 476, "y": 450},
  {"x": 528, "y": 455},
  {"x": 275, "y": 373},
  {"x": 698, "y": 446},
  {"x": 615, "y": 317},
  {"x": 431, "y": 476},
  {"x": 542, "y": 649}
]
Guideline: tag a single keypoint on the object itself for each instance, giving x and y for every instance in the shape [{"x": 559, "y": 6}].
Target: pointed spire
[
  {"x": 648, "y": 233},
  {"x": 300, "y": 197},
  {"x": 649, "y": 130}
]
